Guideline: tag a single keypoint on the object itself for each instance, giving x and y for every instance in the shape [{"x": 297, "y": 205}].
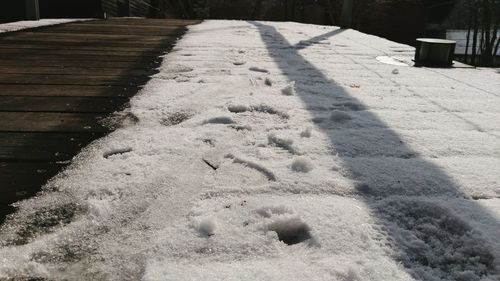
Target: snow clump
[
  {"x": 306, "y": 133},
  {"x": 302, "y": 164},
  {"x": 289, "y": 90},
  {"x": 206, "y": 226}
]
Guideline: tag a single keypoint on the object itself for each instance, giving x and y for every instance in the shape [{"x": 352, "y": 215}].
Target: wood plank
[
  {"x": 46, "y": 147},
  {"x": 5, "y": 210},
  {"x": 92, "y": 43},
  {"x": 53, "y": 46},
  {"x": 80, "y": 63},
  {"x": 62, "y": 104},
  {"x": 76, "y": 52},
  {"x": 23, "y": 180},
  {"x": 78, "y": 57},
  {"x": 88, "y": 37},
  {"x": 143, "y": 22},
  {"x": 117, "y": 30},
  {"x": 66, "y": 91},
  {"x": 76, "y": 70},
  {"x": 68, "y": 79},
  {"x": 51, "y": 122},
  {"x": 128, "y": 24}
]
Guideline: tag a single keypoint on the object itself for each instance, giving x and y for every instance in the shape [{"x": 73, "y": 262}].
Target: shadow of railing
[{"x": 404, "y": 192}]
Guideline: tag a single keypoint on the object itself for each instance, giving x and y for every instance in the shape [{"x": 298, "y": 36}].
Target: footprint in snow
[
  {"x": 260, "y": 108},
  {"x": 340, "y": 116},
  {"x": 253, "y": 165},
  {"x": 30, "y": 223},
  {"x": 268, "y": 82},
  {"x": 283, "y": 143},
  {"x": 258, "y": 69},
  {"x": 438, "y": 243},
  {"x": 290, "y": 228},
  {"x": 348, "y": 105},
  {"x": 175, "y": 118},
  {"x": 224, "y": 120}
]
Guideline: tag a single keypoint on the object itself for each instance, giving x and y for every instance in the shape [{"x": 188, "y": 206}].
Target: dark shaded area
[
  {"x": 401, "y": 21},
  {"x": 432, "y": 233},
  {"x": 58, "y": 83},
  {"x": 69, "y": 9},
  {"x": 12, "y": 10}
]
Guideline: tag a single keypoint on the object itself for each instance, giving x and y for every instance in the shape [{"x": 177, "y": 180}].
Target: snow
[
  {"x": 289, "y": 90},
  {"x": 302, "y": 164},
  {"x": 20, "y": 25},
  {"x": 214, "y": 174},
  {"x": 391, "y": 61}
]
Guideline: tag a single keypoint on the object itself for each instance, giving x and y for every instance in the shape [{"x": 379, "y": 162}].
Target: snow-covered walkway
[{"x": 279, "y": 151}]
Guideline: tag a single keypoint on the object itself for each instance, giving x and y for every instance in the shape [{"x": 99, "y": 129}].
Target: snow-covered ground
[
  {"x": 20, "y": 25},
  {"x": 279, "y": 151}
]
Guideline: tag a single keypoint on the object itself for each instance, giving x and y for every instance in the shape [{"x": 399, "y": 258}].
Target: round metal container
[{"x": 434, "y": 52}]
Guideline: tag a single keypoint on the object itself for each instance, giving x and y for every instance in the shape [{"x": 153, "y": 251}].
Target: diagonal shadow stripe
[{"x": 404, "y": 194}]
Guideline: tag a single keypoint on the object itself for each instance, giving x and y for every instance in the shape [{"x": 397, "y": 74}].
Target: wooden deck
[{"x": 57, "y": 82}]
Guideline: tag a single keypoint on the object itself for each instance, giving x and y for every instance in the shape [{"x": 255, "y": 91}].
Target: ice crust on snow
[{"x": 404, "y": 184}]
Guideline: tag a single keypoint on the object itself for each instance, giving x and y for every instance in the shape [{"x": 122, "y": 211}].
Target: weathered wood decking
[{"x": 57, "y": 82}]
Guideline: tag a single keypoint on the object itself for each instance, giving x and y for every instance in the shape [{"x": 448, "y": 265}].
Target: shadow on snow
[{"x": 406, "y": 194}]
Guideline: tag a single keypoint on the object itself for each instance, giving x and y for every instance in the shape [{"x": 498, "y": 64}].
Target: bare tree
[
  {"x": 484, "y": 20},
  {"x": 346, "y": 17}
]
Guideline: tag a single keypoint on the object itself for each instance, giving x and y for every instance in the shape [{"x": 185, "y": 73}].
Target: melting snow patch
[
  {"x": 390, "y": 60},
  {"x": 120, "y": 119},
  {"x": 175, "y": 118},
  {"x": 31, "y": 223}
]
